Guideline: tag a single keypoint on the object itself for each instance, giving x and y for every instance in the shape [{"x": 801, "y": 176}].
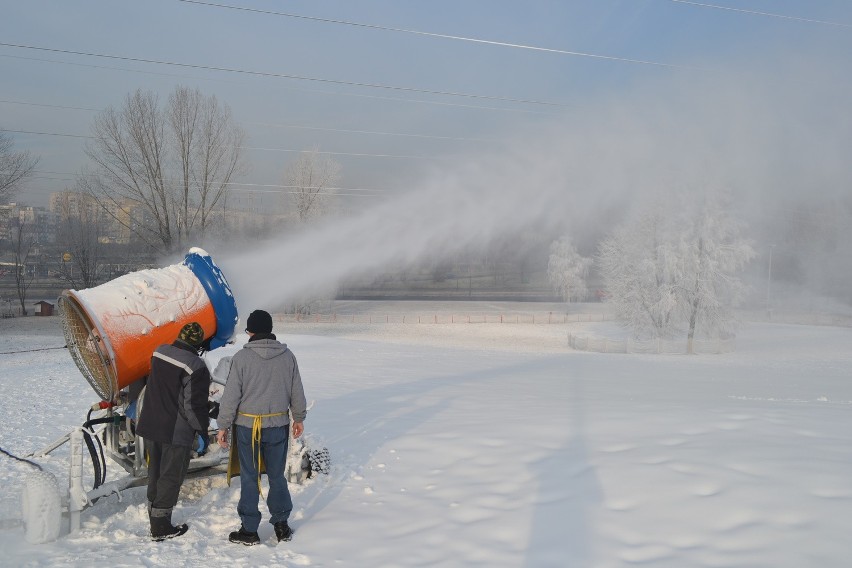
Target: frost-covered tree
[
  {"x": 676, "y": 268},
  {"x": 639, "y": 265},
  {"x": 712, "y": 253},
  {"x": 567, "y": 270}
]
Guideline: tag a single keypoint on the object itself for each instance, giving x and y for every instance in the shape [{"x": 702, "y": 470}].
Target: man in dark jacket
[
  {"x": 263, "y": 390},
  {"x": 174, "y": 413}
]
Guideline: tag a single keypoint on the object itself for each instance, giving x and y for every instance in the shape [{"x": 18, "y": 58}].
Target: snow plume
[
  {"x": 467, "y": 207},
  {"x": 761, "y": 137}
]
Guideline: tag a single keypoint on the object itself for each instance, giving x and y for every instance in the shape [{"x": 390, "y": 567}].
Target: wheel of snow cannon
[{"x": 41, "y": 506}]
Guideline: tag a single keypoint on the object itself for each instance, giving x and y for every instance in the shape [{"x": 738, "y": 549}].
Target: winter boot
[
  {"x": 283, "y": 531},
  {"x": 242, "y": 536},
  {"x": 161, "y": 525}
]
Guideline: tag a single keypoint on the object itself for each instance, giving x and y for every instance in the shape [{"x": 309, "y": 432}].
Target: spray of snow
[{"x": 578, "y": 176}]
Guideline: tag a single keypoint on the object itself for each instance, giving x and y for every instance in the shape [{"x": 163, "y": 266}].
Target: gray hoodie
[{"x": 264, "y": 379}]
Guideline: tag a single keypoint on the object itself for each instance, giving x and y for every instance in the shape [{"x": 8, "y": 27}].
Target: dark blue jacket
[{"x": 174, "y": 408}]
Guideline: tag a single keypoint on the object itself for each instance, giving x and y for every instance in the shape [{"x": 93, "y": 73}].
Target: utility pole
[{"x": 769, "y": 283}]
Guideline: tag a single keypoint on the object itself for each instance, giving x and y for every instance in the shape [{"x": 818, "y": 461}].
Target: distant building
[
  {"x": 43, "y": 308},
  {"x": 114, "y": 221},
  {"x": 36, "y": 221}
]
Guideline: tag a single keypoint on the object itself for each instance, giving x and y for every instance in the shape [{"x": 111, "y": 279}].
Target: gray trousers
[{"x": 167, "y": 465}]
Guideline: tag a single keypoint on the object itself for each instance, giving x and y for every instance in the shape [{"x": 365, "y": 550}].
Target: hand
[
  {"x": 222, "y": 438},
  {"x": 298, "y": 428}
]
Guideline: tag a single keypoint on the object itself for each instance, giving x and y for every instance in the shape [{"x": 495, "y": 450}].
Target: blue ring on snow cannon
[{"x": 213, "y": 281}]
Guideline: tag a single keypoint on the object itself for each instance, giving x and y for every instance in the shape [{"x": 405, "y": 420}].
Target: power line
[
  {"x": 45, "y": 133},
  {"x": 240, "y": 191},
  {"x": 47, "y": 105},
  {"x": 350, "y": 131},
  {"x": 246, "y": 185},
  {"x": 356, "y": 154},
  {"x": 436, "y": 35},
  {"x": 243, "y": 188},
  {"x": 291, "y": 126},
  {"x": 313, "y": 91},
  {"x": 256, "y": 148},
  {"x": 271, "y": 187},
  {"x": 768, "y": 14},
  {"x": 286, "y": 76}
]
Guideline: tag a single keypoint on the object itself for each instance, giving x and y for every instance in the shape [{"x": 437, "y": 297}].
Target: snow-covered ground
[{"x": 493, "y": 445}]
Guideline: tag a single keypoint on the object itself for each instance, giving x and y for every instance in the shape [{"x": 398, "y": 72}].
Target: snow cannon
[{"x": 111, "y": 330}]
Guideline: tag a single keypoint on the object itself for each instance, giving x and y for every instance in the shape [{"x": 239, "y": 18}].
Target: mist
[{"x": 776, "y": 139}]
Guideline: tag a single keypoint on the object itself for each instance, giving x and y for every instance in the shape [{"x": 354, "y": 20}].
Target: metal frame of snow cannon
[
  {"x": 302, "y": 463},
  {"x": 114, "y": 431},
  {"x": 126, "y": 451}
]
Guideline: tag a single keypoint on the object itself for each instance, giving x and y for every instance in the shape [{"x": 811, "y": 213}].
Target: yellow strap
[{"x": 255, "y": 440}]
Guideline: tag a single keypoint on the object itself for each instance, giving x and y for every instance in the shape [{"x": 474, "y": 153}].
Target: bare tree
[
  {"x": 78, "y": 229},
  {"x": 209, "y": 147},
  {"x": 175, "y": 162},
  {"x": 15, "y": 167},
  {"x": 24, "y": 240},
  {"x": 310, "y": 179}
]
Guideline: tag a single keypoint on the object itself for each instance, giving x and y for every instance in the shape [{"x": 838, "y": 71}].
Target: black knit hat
[
  {"x": 192, "y": 334},
  {"x": 259, "y": 321}
]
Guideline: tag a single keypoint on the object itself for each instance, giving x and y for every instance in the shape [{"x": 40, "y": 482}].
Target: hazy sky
[{"x": 390, "y": 136}]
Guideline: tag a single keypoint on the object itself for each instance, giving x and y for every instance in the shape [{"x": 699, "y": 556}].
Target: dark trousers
[
  {"x": 273, "y": 447},
  {"x": 167, "y": 465}
]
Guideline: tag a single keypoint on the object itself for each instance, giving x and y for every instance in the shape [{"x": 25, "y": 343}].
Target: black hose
[
  {"x": 31, "y": 350},
  {"x": 105, "y": 420},
  {"x": 26, "y": 461},
  {"x": 96, "y": 464},
  {"x": 99, "y": 465},
  {"x": 101, "y": 444}
]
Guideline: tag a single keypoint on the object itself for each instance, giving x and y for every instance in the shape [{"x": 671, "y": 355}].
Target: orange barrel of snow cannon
[{"x": 113, "y": 329}]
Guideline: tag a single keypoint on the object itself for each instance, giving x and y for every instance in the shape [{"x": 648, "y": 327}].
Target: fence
[
  {"x": 578, "y": 342},
  {"x": 442, "y": 318},
  {"x": 668, "y": 346}
]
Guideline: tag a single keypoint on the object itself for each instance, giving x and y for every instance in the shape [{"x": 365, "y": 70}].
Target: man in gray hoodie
[{"x": 263, "y": 390}]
